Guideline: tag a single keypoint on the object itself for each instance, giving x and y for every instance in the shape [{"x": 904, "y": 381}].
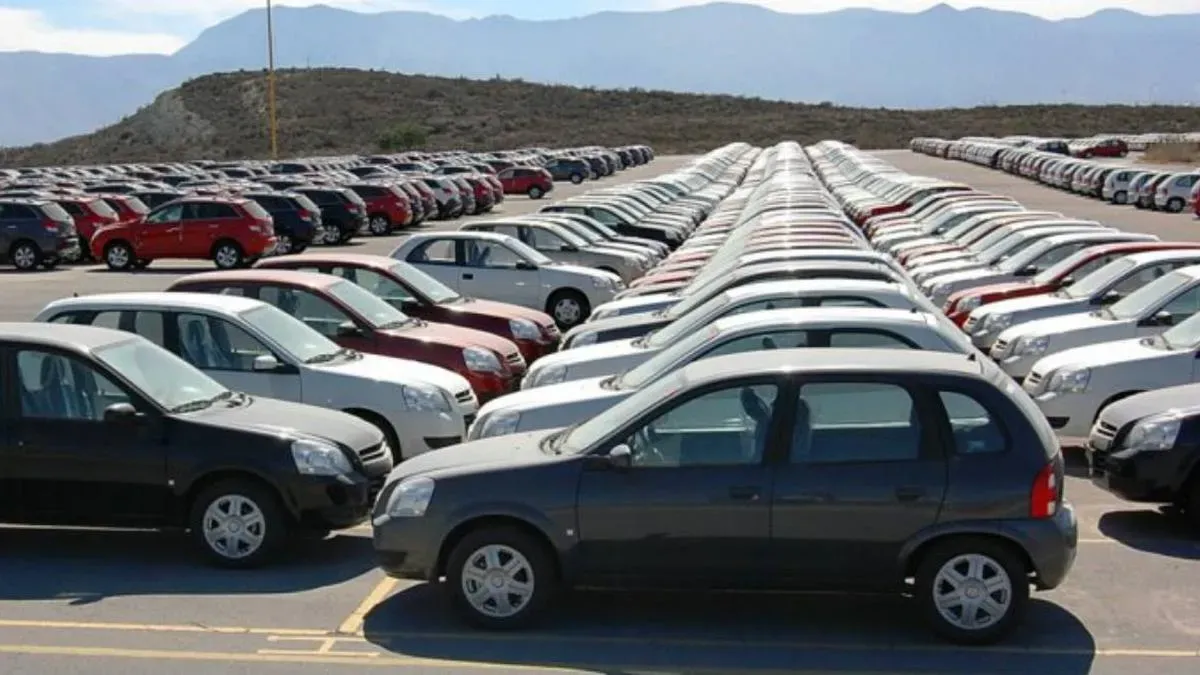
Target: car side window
[
  {"x": 759, "y": 342},
  {"x": 726, "y": 427},
  {"x": 976, "y": 430},
  {"x": 868, "y": 339},
  {"x": 1141, "y": 277},
  {"x": 212, "y": 210},
  {"x": 57, "y": 387},
  {"x": 490, "y": 255},
  {"x": 434, "y": 252},
  {"x": 169, "y": 214},
  {"x": 843, "y": 422},
  {"x": 150, "y": 326},
  {"x": 543, "y": 239},
  {"x": 1183, "y": 305},
  {"x": 847, "y": 301},
  {"x": 777, "y": 303},
  {"x": 210, "y": 343},
  {"x": 315, "y": 311},
  {"x": 506, "y": 174},
  {"x": 378, "y": 284},
  {"x": 107, "y": 320}
]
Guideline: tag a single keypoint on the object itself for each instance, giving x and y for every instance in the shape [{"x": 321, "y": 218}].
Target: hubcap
[
  {"x": 379, "y": 225},
  {"x": 234, "y": 526},
  {"x": 118, "y": 256},
  {"x": 227, "y": 256},
  {"x": 283, "y": 244},
  {"x": 497, "y": 581},
  {"x": 24, "y": 257},
  {"x": 972, "y": 592},
  {"x": 567, "y": 311}
]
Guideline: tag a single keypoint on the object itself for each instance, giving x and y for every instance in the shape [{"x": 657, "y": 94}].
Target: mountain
[
  {"x": 336, "y": 111},
  {"x": 942, "y": 57}
]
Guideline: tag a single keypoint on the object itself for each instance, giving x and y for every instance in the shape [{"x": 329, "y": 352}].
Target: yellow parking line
[
  {"x": 354, "y": 623},
  {"x": 158, "y": 628}
]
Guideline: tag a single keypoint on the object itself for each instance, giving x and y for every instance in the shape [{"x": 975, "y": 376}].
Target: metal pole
[{"x": 272, "y": 120}]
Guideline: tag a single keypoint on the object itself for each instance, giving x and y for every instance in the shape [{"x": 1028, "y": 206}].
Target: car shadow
[
  {"x": 1075, "y": 463},
  {"x": 1159, "y": 531},
  {"x": 693, "y": 633},
  {"x": 152, "y": 270},
  {"x": 87, "y": 566}
]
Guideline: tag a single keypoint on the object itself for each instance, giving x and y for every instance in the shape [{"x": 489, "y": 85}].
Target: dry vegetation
[
  {"x": 329, "y": 111},
  {"x": 1172, "y": 153}
]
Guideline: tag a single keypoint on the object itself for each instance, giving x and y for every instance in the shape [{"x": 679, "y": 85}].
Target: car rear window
[
  {"x": 136, "y": 205},
  {"x": 368, "y": 191},
  {"x": 101, "y": 208},
  {"x": 255, "y": 210},
  {"x": 56, "y": 212},
  {"x": 306, "y": 203}
]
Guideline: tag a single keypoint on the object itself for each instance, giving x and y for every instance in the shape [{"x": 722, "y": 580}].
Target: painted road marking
[
  {"x": 353, "y": 624},
  {"x": 325, "y": 647},
  {"x": 158, "y": 628}
]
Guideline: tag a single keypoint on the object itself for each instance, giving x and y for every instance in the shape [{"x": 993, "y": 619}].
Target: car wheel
[
  {"x": 576, "y": 178},
  {"x": 344, "y": 236},
  {"x": 535, "y": 192},
  {"x": 1121, "y": 198},
  {"x": 283, "y": 244},
  {"x": 119, "y": 256},
  {"x": 972, "y": 590},
  {"x": 380, "y": 226},
  {"x": 501, "y": 578},
  {"x": 1174, "y": 205},
  {"x": 25, "y": 256},
  {"x": 238, "y": 523},
  {"x": 227, "y": 255},
  {"x": 298, "y": 248},
  {"x": 50, "y": 263},
  {"x": 568, "y": 307}
]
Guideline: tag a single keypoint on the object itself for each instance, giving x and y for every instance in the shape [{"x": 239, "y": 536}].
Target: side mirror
[
  {"x": 1026, "y": 272},
  {"x": 348, "y": 329},
  {"x": 121, "y": 413},
  {"x": 620, "y": 457},
  {"x": 528, "y": 266},
  {"x": 1108, "y": 298},
  {"x": 568, "y": 248},
  {"x": 1067, "y": 281},
  {"x": 1162, "y": 318},
  {"x": 265, "y": 363}
]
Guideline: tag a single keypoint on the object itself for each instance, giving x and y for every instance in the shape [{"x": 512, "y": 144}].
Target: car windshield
[
  {"x": 1184, "y": 336},
  {"x": 1099, "y": 280},
  {"x": 668, "y": 358},
  {"x": 161, "y": 376},
  {"x": 372, "y": 308},
  {"x": 437, "y": 292},
  {"x": 1137, "y": 303},
  {"x": 684, "y": 321},
  {"x": 291, "y": 335},
  {"x": 1063, "y": 267},
  {"x": 575, "y": 231},
  {"x": 527, "y": 252},
  {"x": 586, "y": 435}
]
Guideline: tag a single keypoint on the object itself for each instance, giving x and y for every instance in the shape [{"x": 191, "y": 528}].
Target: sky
[{"x": 108, "y": 27}]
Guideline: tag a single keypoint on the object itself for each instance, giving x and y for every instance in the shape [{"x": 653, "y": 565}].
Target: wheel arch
[
  {"x": 372, "y": 417},
  {"x": 497, "y": 518},
  {"x": 216, "y": 475},
  {"x": 916, "y": 550}
]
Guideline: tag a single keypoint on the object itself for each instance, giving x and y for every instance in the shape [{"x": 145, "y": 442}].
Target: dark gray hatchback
[{"x": 866, "y": 470}]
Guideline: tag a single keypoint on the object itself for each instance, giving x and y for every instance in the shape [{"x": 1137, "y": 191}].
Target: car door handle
[
  {"x": 909, "y": 493},
  {"x": 468, "y": 276},
  {"x": 745, "y": 493},
  {"x": 806, "y": 498}
]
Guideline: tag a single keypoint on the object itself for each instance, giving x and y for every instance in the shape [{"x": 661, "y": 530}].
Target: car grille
[
  {"x": 1105, "y": 430},
  {"x": 970, "y": 324},
  {"x": 1034, "y": 379},
  {"x": 374, "y": 487},
  {"x": 515, "y": 359},
  {"x": 1001, "y": 345},
  {"x": 464, "y": 396},
  {"x": 372, "y": 453}
]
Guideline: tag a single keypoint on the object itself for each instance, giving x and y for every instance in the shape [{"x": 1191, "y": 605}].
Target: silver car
[
  {"x": 562, "y": 245},
  {"x": 1174, "y": 193}
]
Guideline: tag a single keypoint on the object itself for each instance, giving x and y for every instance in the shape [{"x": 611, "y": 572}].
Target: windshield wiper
[
  {"x": 609, "y": 383},
  {"x": 396, "y": 324},
  {"x": 202, "y": 403},
  {"x": 644, "y": 341}
]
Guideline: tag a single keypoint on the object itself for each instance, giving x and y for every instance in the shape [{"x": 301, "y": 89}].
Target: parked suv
[
  {"x": 230, "y": 231},
  {"x": 520, "y": 180},
  {"x": 297, "y": 220},
  {"x": 36, "y": 233},
  {"x": 956, "y": 476},
  {"x": 343, "y": 213},
  {"x": 388, "y": 207},
  {"x": 569, "y": 168}
]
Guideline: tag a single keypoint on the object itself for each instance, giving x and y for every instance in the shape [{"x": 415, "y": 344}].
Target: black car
[
  {"x": 36, "y": 233},
  {"x": 1146, "y": 448},
  {"x": 103, "y": 428},
  {"x": 297, "y": 219},
  {"x": 830, "y": 469},
  {"x": 343, "y": 213},
  {"x": 569, "y": 168}
]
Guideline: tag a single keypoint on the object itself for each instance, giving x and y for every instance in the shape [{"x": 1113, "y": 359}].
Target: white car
[
  {"x": 252, "y": 347},
  {"x": 764, "y": 329},
  {"x": 599, "y": 234},
  {"x": 1150, "y": 310},
  {"x": 561, "y": 244},
  {"x": 1072, "y": 387},
  {"x": 501, "y": 268},
  {"x": 562, "y": 403},
  {"x": 889, "y": 239},
  {"x": 972, "y": 229},
  {"x": 995, "y": 241}
]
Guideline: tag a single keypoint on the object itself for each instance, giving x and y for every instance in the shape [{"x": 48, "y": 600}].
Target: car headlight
[
  {"x": 969, "y": 303},
  {"x": 1068, "y": 381},
  {"x": 481, "y": 360},
  {"x": 1154, "y": 433},
  {"x": 585, "y": 339},
  {"x": 1031, "y": 345},
  {"x": 426, "y": 399},
  {"x": 551, "y": 375},
  {"x": 603, "y": 282},
  {"x": 524, "y": 329},
  {"x": 317, "y": 458},
  {"x": 411, "y": 498},
  {"x": 997, "y": 322},
  {"x": 498, "y": 424}
]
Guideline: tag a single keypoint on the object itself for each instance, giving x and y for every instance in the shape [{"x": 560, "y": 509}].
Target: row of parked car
[
  {"x": 236, "y": 213},
  {"x": 1153, "y": 189}
]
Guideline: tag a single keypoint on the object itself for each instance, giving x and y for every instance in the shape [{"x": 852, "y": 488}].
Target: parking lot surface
[{"x": 133, "y": 603}]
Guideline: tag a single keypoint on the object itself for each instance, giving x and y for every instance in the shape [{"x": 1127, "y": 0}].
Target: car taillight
[
  {"x": 1043, "y": 498},
  {"x": 51, "y": 225},
  {"x": 304, "y": 214}
]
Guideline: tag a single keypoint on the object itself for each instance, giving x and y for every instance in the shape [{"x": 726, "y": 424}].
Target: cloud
[{"x": 29, "y": 30}]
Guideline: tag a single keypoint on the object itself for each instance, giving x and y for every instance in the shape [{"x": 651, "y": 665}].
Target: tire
[
  {"x": 119, "y": 256},
  {"x": 992, "y": 571},
  {"x": 1190, "y": 501},
  {"x": 298, "y": 248},
  {"x": 284, "y": 244},
  {"x": 239, "y": 544},
  {"x": 1121, "y": 198},
  {"x": 50, "y": 263},
  {"x": 535, "y": 192},
  {"x": 534, "y": 570},
  {"x": 344, "y": 236},
  {"x": 26, "y": 256},
  {"x": 228, "y": 255},
  {"x": 1174, "y": 205},
  {"x": 559, "y": 307},
  {"x": 577, "y": 178},
  {"x": 379, "y": 225}
]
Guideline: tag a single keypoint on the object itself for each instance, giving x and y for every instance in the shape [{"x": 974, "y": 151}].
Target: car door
[
  {"x": 161, "y": 234},
  {"x": 441, "y": 259},
  {"x": 493, "y": 271},
  {"x": 693, "y": 507},
  {"x": 863, "y": 474},
  {"x": 226, "y": 353},
  {"x": 203, "y": 225},
  {"x": 64, "y": 464}
]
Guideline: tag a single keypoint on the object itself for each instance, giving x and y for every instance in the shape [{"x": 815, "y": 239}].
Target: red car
[
  {"x": 1109, "y": 147},
  {"x": 420, "y": 295},
  {"x": 128, "y": 207},
  {"x": 90, "y": 213},
  {"x": 388, "y": 207},
  {"x": 524, "y": 180},
  {"x": 960, "y": 305},
  {"x": 353, "y": 317},
  {"x": 230, "y": 231}
]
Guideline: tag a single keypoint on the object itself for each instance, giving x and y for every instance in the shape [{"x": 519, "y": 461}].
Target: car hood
[
  {"x": 1171, "y": 399},
  {"x": 272, "y": 416},
  {"x": 570, "y": 271},
  {"x": 595, "y": 352},
  {"x": 969, "y": 274},
  {"x": 402, "y": 371},
  {"x": 622, "y": 322},
  {"x": 509, "y": 451},
  {"x": 563, "y": 393},
  {"x": 454, "y": 336},
  {"x": 1076, "y": 329},
  {"x": 1104, "y": 354},
  {"x": 501, "y": 310},
  {"x": 1031, "y": 303},
  {"x": 1001, "y": 290},
  {"x": 941, "y": 269},
  {"x": 638, "y": 304}
]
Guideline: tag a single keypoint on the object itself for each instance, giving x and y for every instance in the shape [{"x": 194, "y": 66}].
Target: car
[
  {"x": 502, "y": 268},
  {"x": 1144, "y": 448},
  {"x": 1175, "y": 192},
  {"x": 343, "y": 212},
  {"x": 521, "y": 180},
  {"x": 1118, "y": 186},
  {"x": 36, "y": 233},
  {"x": 561, "y": 244},
  {"x": 623, "y": 221},
  {"x": 231, "y": 231},
  {"x": 294, "y": 217},
  {"x": 572, "y": 390},
  {"x": 107, "y": 429},
  {"x": 419, "y": 295},
  {"x": 388, "y": 207},
  {"x": 747, "y": 453},
  {"x": 355, "y": 318},
  {"x": 252, "y": 347},
  {"x": 89, "y": 212}
]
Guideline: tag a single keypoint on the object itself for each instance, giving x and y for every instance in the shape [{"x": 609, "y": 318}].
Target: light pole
[{"x": 272, "y": 122}]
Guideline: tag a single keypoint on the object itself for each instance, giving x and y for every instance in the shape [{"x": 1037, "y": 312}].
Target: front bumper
[
  {"x": 334, "y": 502},
  {"x": 1137, "y": 476},
  {"x": 407, "y": 548},
  {"x": 419, "y": 432},
  {"x": 1070, "y": 415}
]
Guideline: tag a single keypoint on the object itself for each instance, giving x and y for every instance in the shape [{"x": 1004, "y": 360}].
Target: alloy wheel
[
  {"x": 234, "y": 526},
  {"x": 972, "y": 592},
  {"x": 497, "y": 581}
]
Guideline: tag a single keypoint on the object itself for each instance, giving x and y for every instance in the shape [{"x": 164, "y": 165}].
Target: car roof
[
  {"x": 802, "y": 286},
  {"x": 831, "y": 263},
  {"x": 224, "y": 304},
  {"x": 848, "y": 316},
  {"x": 331, "y": 258},
  {"x": 1147, "y": 257},
  {"x": 293, "y": 277},
  {"x": 67, "y": 336},
  {"x": 459, "y": 234},
  {"x": 832, "y": 360}
]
